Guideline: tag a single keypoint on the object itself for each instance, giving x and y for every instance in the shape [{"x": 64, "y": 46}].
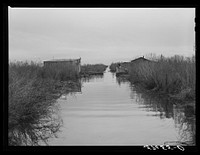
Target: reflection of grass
[
  {"x": 91, "y": 78},
  {"x": 154, "y": 102},
  {"x": 121, "y": 79},
  {"x": 175, "y": 76},
  {"x": 32, "y": 113},
  {"x": 183, "y": 115}
]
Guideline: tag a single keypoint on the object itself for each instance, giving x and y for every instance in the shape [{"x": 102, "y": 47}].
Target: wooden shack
[
  {"x": 142, "y": 60},
  {"x": 123, "y": 68},
  {"x": 74, "y": 63}
]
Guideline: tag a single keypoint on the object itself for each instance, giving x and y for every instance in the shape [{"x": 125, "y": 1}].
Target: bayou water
[{"x": 111, "y": 111}]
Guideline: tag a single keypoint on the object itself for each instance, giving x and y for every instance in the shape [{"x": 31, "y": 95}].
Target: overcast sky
[{"x": 99, "y": 35}]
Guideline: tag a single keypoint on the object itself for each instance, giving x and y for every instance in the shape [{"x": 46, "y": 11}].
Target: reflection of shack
[{"x": 72, "y": 63}]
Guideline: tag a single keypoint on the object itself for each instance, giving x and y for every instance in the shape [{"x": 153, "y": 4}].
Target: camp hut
[
  {"x": 142, "y": 62},
  {"x": 74, "y": 64}
]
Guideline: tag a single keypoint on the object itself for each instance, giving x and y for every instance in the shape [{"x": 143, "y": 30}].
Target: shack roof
[
  {"x": 140, "y": 58},
  {"x": 61, "y": 60}
]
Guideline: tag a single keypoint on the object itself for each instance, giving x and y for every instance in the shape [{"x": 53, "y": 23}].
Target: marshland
[
  {"x": 35, "y": 91},
  {"x": 101, "y": 77}
]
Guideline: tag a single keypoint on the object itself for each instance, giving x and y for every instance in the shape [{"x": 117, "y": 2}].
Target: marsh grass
[
  {"x": 93, "y": 68},
  {"x": 32, "y": 108},
  {"x": 175, "y": 76}
]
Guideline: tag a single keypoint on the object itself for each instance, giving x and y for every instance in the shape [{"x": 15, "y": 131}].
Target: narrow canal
[{"x": 109, "y": 111}]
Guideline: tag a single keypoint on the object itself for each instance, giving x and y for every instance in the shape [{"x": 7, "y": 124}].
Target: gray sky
[{"x": 99, "y": 35}]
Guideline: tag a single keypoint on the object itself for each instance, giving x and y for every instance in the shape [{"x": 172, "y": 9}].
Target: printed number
[
  {"x": 147, "y": 146},
  {"x": 168, "y": 147},
  {"x": 163, "y": 147},
  {"x": 154, "y": 147},
  {"x": 180, "y": 147}
]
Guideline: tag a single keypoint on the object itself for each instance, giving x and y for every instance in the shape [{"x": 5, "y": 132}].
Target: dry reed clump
[
  {"x": 32, "y": 110},
  {"x": 175, "y": 76}
]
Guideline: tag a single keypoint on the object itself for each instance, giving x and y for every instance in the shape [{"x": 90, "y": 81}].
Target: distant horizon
[
  {"x": 99, "y": 35},
  {"x": 128, "y": 60}
]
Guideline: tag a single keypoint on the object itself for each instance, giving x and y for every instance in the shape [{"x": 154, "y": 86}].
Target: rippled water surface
[{"x": 109, "y": 111}]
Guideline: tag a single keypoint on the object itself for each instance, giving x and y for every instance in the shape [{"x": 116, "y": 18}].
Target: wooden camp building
[
  {"x": 122, "y": 68},
  {"x": 75, "y": 63}
]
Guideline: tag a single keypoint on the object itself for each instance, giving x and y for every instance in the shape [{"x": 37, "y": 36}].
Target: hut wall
[{"x": 75, "y": 64}]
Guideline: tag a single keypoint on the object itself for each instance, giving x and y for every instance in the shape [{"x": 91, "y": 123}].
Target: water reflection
[
  {"x": 185, "y": 121},
  {"x": 92, "y": 78},
  {"x": 72, "y": 88},
  {"x": 183, "y": 115},
  {"x": 121, "y": 80},
  {"x": 165, "y": 108},
  {"x": 112, "y": 111}
]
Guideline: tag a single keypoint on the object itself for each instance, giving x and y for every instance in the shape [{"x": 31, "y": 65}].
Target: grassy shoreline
[
  {"x": 32, "y": 96},
  {"x": 174, "y": 77},
  {"x": 33, "y": 91}
]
